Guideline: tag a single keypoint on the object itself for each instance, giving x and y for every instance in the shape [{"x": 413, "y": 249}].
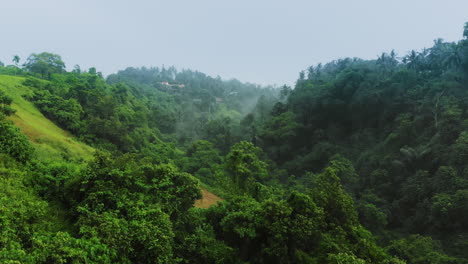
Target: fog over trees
[{"x": 360, "y": 161}]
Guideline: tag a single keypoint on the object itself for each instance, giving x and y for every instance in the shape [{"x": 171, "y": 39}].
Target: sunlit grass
[{"x": 50, "y": 141}]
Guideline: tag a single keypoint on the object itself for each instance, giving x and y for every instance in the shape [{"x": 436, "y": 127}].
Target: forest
[{"x": 362, "y": 161}]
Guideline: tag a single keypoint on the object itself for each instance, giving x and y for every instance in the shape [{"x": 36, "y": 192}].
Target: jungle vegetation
[{"x": 362, "y": 161}]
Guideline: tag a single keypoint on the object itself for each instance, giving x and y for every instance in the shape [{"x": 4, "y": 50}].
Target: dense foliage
[{"x": 362, "y": 162}]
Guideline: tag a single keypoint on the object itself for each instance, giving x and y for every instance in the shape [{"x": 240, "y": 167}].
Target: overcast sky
[{"x": 259, "y": 41}]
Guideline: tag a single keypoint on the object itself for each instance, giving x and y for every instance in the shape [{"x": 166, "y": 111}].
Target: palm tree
[
  {"x": 16, "y": 60},
  {"x": 465, "y": 31},
  {"x": 412, "y": 60},
  {"x": 453, "y": 57}
]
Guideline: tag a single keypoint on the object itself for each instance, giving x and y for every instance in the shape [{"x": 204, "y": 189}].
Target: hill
[
  {"x": 364, "y": 161},
  {"x": 49, "y": 140}
]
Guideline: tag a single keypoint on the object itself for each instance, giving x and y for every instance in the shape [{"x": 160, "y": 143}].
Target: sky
[{"x": 257, "y": 41}]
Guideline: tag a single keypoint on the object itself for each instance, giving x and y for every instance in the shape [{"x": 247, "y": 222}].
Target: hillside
[
  {"x": 362, "y": 162},
  {"x": 50, "y": 141}
]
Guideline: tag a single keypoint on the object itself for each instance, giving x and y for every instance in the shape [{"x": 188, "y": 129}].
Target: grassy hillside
[{"x": 50, "y": 141}]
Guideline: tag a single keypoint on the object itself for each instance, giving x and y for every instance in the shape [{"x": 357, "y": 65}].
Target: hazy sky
[{"x": 260, "y": 41}]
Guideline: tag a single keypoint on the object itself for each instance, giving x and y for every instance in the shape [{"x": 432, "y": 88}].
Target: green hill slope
[{"x": 50, "y": 141}]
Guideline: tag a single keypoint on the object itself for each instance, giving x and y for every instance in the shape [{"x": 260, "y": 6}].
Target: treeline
[
  {"x": 402, "y": 121},
  {"x": 130, "y": 208},
  {"x": 358, "y": 146}
]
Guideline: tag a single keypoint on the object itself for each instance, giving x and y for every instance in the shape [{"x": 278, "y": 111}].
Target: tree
[
  {"x": 5, "y": 108},
  {"x": 12, "y": 142},
  {"x": 68, "y": 114},
  {"x": 131, "y": 206},
  {"x": 248, "y": 127},
  {"x": 277, "y": 136},
  {"x": 464, "y": 48},
  {"x": 417, "y": 249},
  {"x": 412, "y": 60},
  {"x": 465, "y": 30},
  {"x": 337, "y": 204},
  {"x": 16, "y": 60},
  {"x": 65, "y": 113},
  {"x": 203, "y": 161},
  {"x": 60, "y": 247},
  {"x": 263, "y": 107},
  {"x": 77, "y": 69},
  {"x": 284, "y": 92},
  {"x": 244, "y": 165},
  {"x": 45, "y": 64}
]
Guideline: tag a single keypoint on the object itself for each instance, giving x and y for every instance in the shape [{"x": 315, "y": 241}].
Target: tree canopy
[
  {"x": 45, "y": 64},
  {"x": 362, "y": 161}
]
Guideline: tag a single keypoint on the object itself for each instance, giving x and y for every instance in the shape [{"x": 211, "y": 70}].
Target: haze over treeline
[
  {"x": 263, "y": 42},
  {"x": 362, "y": 161},
  {"x": 360, "y": 158}
]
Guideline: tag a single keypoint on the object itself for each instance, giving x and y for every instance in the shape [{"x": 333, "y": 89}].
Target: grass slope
[{"x": 50, "y": 141}]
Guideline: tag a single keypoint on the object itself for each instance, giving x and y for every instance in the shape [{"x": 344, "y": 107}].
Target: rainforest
[{"x": 361, "y": 161}]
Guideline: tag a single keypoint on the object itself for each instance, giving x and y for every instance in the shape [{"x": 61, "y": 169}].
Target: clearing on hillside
[
  {"x": 51, "y": 142},
  {"x": 208, "y": 199}
]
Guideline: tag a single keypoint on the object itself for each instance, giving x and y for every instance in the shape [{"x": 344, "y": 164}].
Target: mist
[{"x": 264, "y": 42}]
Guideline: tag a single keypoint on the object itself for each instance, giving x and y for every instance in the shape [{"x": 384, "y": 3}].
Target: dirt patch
[{"x": 208, "y": 199}]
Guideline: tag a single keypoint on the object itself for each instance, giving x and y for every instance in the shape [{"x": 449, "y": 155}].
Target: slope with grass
[{"x": 50, "y": 141}]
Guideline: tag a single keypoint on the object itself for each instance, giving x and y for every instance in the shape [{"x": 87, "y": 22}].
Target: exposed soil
[{"x": 208, "y": 199}]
